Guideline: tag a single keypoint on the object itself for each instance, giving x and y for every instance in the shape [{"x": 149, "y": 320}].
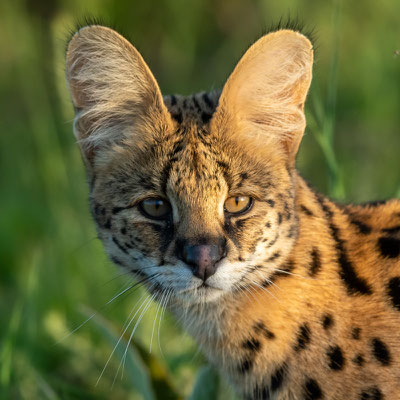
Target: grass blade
[{"x": 206, "y": 385}]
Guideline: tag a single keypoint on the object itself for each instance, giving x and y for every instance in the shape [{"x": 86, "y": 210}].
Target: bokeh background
[{"x": 53, "y": 273}]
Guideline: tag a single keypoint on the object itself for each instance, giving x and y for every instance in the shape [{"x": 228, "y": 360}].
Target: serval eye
[
  {"x": 155, "y": 208},
  {"x": 238, "y": 204}
]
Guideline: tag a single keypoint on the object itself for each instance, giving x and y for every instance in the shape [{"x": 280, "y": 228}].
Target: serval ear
[
  {"x": 113, "y": 90},
  {"x": 263, "y": 99}
]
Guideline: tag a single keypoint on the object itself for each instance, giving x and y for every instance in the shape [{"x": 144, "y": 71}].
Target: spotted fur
[{"x": 306, "y": 302}]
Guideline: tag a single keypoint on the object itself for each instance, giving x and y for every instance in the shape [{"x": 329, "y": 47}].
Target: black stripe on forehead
[{"x": 171, "y": 158}]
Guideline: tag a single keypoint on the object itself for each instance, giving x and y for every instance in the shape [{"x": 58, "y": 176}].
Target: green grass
[{"x": 53, "y": 269}]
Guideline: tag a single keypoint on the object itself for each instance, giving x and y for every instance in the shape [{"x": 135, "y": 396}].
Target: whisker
[
  {"x": 263, "y": 288},
  {"x": 146, "y": 307},
  {"x": 167, "y": 298},
  {"x": 282, "y": 271},
  {"x": 155, "y": 319},
  {"x": 136, "y": 284},
  {"x": 271, "y": 282},
  {"x": 120, "y": 338}
]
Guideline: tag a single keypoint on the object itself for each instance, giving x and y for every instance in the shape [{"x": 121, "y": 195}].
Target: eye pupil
[{"x": 238, "y": 204}]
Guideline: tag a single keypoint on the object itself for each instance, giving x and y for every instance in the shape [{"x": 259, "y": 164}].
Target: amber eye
[
  {"x": 155, "y": 208},
  {"x": 238, "y": 204}
]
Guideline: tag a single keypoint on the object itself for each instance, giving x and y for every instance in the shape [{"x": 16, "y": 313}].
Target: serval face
[{"x": 195, "y": 195}]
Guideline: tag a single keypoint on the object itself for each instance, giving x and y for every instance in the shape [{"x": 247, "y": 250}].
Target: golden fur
[{"x": 306, "y": 303}]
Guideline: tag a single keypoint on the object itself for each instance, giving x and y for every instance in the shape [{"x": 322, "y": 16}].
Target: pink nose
[{"x": 202, "y": 259}]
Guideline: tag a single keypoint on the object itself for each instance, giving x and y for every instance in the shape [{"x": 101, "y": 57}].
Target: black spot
[
  {"x": 173, "y": 100},
  {"x": 389, "y": 246},
  {"x": 274, "y": 256},
  {"x": 273, "y": 241},
  {"x": 205, "y": 117},
  {"x": 278, "y": 377},
  {"x": 285, "y": 270},
  {"x": 268, "y": 225},
  {"x": 279, "y": 218},
  {"x": 244, "y": 176},
  {"x": 355, "y": 285},
  {"x": 119, "y": 245},
  {"x": 251, "y": 344},
  {"x": 177, "y": 117},
  {"x": 208, "y": 101},
  {"x": 372, "y": 393},
  {"x": 116, "y": 261},
  {"x": 292, "y": 231},
  {"x": 375, "y": 203},
  {"x": 355, "y": 333},
  {"x": 359, "y": 360},
  {"x": 268, "y": 282},
  {"x": 128, "y": 245},
  {"x": 196, "y": 103},
  {"x": 315, "y": 262},
  {"x": 393, "y": 290},
  {"x": 178, "y": 147},
  {"x": 97, "y": 209},
  {"x": 306, "y": 211},
  {"x": 327, "y": 321},
  {"x": 259, "y": 393},
  {"x": 123, "y": 231},
  {"x": 107, "y": 225},
  {"x": 260, "y": 327},
  {"x": 362, "y": 227},
  {"x": 288, "y": 214},
  {"x": 392, "y": 231},
  {"x": 381, "y": 352},
  {"x": 270, "y": 202},
  {"x": 312, "y": 391},
  {"x": 303, "y": 337},
  {"x": 103, "y": 211},
  {"x": 138, "y": 240},
  {"x": 246, "y": 365},
  {"x": 336, "y": 359}
]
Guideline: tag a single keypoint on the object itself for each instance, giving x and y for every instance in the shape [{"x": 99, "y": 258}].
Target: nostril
[{"x": 202, "y": 259}]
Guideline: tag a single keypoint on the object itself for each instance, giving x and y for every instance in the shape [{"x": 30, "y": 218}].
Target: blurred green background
[{"x": 53, "y": 273}]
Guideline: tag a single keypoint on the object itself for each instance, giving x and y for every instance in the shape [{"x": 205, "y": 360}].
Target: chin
[{"x": 199, "y": 295}]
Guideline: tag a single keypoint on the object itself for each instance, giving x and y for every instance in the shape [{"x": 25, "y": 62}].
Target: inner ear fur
[
  {"x": 263, "y": 99},
  {"x": 112, "y": 88}
]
